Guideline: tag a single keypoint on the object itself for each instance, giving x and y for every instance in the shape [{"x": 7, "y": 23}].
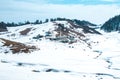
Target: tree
[
  {"x": 36, "y": 22},
  {"x": 47, "y": 20},
  {"x": 27, "y": 22},
  {"x": 40, "y": 22},
  {"x": 20, "y": 24},
  {"x": 61, "y": 19},
  {"x": 2, "y": 25},
  {"x": 51, "y": 19}
]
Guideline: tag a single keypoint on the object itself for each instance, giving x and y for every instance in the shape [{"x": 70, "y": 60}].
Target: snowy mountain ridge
[
  {"x": 63, "y": 51},
  {"x": 61, "y": 31}
]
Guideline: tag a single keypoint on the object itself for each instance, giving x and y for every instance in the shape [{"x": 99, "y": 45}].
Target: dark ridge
[
  {"x": 83, "y": 22},
  {"x": 105, "y": 74},
  {"x": 51, "y": 70},
  {"x": 113, "y": 24},
  {"x": 86, "y": 28},
  {"x": 35, "y": 71}
]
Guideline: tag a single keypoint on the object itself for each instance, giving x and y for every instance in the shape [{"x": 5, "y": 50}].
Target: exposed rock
[
  {"x": 26, "y": 31},
  {"x": 17, "y": 47}
]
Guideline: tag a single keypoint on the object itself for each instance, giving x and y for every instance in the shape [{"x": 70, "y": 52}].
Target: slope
[{"x": 89, "y": 57}]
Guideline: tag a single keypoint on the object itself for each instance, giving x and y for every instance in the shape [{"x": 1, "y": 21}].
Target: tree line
[
  {"x": 13, "y": 24},
  {"x": 3, "y": 25}
]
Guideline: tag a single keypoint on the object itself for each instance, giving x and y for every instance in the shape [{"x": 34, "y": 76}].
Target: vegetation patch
[
  {"x": 17, "y": 47},
  {"x": 26, "y": 31}
]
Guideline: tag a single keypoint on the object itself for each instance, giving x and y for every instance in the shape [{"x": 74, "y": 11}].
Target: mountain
[
  {"x": 113, "y": 24},
  {"x": 63, "y": 31},
  {"x": 59, "y": 50}
]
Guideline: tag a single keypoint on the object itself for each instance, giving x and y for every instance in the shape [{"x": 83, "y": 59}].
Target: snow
[{"x": 67, "y": 61}]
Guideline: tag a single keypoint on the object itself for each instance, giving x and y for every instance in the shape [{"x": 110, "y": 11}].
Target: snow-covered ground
[{"x": 59, "y": 61}]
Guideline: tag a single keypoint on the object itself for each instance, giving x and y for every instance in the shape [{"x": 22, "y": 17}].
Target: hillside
[
  {"x": 59, "y": 50},
  {"x": 63, "y": 31},
  {"x": 113, "y": 24}
]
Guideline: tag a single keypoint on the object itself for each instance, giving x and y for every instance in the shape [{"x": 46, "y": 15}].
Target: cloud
[
  {"x": 110, "y": 0},
  {"x": 23, "y": 10}
]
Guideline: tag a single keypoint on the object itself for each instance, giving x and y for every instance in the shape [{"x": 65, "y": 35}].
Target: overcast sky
[{"x": 96, "y": 11}]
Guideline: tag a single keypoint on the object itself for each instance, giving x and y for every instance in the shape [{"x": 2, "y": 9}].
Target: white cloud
[
  {"x": 110, "y": 0},
  {"x": 21, "y": 11}
]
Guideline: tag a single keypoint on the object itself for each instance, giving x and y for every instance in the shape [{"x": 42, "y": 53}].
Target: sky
[{"x": 95, "y": 11}]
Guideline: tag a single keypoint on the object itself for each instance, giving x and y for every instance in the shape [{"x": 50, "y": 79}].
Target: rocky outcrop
[{"x": 17, "y": 47}]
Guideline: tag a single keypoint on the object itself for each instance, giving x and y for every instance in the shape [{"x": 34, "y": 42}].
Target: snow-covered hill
[{"x": 63, "y": 51}]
